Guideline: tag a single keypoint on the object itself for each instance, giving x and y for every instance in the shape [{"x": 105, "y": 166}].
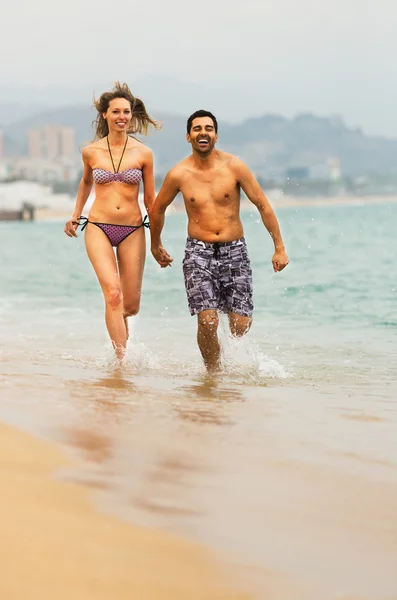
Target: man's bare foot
[{"x": 213, "y": 367}]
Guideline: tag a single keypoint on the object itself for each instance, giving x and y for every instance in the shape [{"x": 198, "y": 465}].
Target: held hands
[
  {"x": 162, "y": 256},
  {"x": 70, "y": 228},
  {"x": 279, "y": 260}
]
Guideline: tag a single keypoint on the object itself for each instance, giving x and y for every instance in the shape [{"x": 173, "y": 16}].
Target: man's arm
[
  {"x": 255, "y": 194},
  {"x": 166, "y": 195}
]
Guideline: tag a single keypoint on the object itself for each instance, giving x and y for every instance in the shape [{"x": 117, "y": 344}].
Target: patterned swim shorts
[{"x": 218, "y": 276}]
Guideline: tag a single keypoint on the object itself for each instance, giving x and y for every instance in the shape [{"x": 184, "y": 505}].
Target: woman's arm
[
  {"x": 82, "y": 194},
  {"x": 148, "y": 180}
]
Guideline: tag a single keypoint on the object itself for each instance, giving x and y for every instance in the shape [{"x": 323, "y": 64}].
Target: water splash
[
  {"x": 138, "y": 358},
  {"x": 243, "y": 362},
  {"x": 243, "y": 359}
]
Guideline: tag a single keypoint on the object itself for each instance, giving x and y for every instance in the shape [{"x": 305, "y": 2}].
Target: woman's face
[{"x": 118, "y": 114}]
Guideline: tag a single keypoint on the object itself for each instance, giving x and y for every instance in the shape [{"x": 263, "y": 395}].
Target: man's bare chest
[{"x": 210, "y": 188}]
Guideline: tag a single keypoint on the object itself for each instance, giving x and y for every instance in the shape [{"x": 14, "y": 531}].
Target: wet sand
[
  {"x": 55, "y": 544},
  {"x": 295, "y": 492}
]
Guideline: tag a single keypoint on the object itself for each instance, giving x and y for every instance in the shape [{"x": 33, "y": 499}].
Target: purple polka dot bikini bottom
[{"x": 115, "y": 233}]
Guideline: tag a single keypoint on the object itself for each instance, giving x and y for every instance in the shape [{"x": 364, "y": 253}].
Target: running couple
[{"x": 216, "y": 266}]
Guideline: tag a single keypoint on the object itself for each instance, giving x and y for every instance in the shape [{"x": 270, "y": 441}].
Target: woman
[{"x": 116, "y": 163}]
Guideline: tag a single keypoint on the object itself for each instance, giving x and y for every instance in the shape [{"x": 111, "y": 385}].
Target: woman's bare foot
[
  {"x": 119, "y": 350},
  {"x": 126, "y": 326}
]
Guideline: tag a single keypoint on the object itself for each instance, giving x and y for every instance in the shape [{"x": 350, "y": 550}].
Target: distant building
[
  {"x": 35, "y": 144},
  {"x": 52, "y": 142},
  {"x": 326, "y": 171},
  {"x": 319, "y": 172},
  {"x": 46, "y": 171},
  {"x": 297, "y": 173},
  {"x": 335, "y": 172},
  {"x": 1, "y": 143}
]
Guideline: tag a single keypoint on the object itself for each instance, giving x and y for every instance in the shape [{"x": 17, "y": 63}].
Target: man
[{"x": 216, "y": 266}]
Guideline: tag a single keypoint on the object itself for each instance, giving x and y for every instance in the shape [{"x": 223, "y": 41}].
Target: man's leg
[
  {"x": 239, "y": 325},
  {"x": 202, "y": 289},
  {"x": 207, "y": 338},
  {"x": 236, "y": 291}
]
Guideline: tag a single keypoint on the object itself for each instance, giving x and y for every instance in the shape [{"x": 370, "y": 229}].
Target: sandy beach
[{"x": 55, "y": 544}]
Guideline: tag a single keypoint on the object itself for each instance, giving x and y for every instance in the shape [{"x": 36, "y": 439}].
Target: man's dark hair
[{"x": 201, "y": 113}]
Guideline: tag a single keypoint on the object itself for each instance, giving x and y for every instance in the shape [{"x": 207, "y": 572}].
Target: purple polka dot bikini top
[{"x": 131, "y": 176}]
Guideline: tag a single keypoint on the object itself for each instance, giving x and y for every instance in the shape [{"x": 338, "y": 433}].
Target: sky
[{"x": 242, "y": 59}]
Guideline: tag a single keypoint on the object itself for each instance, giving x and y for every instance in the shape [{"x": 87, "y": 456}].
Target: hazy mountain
[
  {"x": 11, "y": 112},
  {"x": 268, "y": 144},
  {"x": 160, "y": 94},
  {"x": 308, "y": 140}
]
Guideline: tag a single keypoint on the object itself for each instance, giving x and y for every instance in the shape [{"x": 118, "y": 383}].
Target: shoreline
[
  {"x": 56, "y": 543},
  {"x": 53, "y": 214}
]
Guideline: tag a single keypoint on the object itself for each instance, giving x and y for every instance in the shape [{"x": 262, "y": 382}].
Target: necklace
[{"x": 122, "y": 154}]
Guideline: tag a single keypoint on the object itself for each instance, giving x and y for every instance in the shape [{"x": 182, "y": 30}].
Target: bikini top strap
[{"x": 122, "y": 154}]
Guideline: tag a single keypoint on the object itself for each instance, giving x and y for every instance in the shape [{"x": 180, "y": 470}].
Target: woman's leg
[
  {"x": 101, "y": 255},
  {"x": 131, "y": 254}
]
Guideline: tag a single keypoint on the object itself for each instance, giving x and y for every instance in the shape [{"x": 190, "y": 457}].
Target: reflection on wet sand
[
  {"x": 170, "y": 486},
  {"x": 152, "y": 461},
  {"x": 113, "y": 383},
  {"x": 205, "y": 402},
  {"x": 95, "y": 445},
  {"x": 162, "y": 489},
  {"x": 108, "y": 397},
  {"x": 55, "y": 544}
]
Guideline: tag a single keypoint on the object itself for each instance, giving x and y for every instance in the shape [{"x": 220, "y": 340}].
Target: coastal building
[
  {"x": 47, "y": 172},
  {"x": 297, "y": 173},
  {"x": 52, "y": 142},
  {"x": 335, "y": 172}
]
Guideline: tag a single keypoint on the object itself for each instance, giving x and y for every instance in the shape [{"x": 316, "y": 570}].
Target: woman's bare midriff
[{"x": 116, "y": 206}]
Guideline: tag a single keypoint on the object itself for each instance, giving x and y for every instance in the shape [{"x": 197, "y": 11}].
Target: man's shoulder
[
  {"x": 173, "y": 177},
  {"x": 236, "y": 166},
  {"x": 230, "y": 160},
  {"x": 179, "y": 169}
]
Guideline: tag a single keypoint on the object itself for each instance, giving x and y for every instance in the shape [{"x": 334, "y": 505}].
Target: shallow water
[{"x": 286, "y": 463}]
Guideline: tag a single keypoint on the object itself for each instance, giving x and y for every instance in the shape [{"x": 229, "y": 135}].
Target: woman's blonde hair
[{"x": 140, "y": 121}]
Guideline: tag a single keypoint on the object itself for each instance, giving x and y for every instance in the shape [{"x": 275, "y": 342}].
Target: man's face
[{"x": 202, "y": 135}]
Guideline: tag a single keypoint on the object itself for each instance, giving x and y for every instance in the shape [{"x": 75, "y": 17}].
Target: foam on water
[
  {"x": 138, "y": 358},
  {"x": 243, "y": 360}
]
